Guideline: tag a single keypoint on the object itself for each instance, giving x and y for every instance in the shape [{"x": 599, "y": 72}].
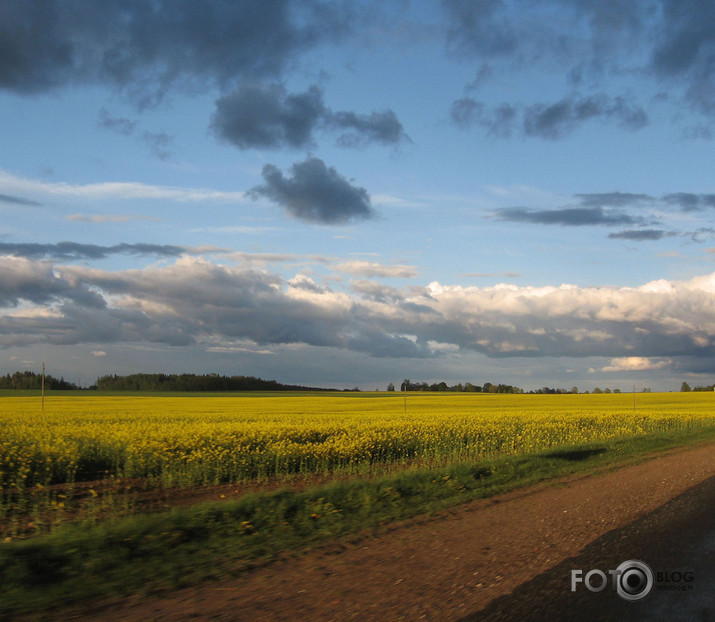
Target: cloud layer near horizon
[{"x": 194, "y": 301}]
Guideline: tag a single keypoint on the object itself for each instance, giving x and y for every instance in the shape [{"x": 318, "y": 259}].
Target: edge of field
[{"x": 217, "y": 540}]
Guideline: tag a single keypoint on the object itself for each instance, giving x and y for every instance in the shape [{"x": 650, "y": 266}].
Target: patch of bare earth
[{"x": 443, "y": 568}]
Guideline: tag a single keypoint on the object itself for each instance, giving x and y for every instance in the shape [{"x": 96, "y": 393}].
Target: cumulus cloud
[
  {"x": 266, "y": 116},
  {"x": 195, "y": 301},
  {"x": 315, "y": 193},
  {"x": 379, "y": 292}
]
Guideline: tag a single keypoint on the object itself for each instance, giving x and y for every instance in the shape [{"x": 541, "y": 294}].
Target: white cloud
[
  {"x": 197, "y": 301},
  {"x": 636, "y": 363},
  {"x": 112, "y": 218},
  {"x": 99, "y": 353},
  {"x": 375, "y": 269},
  {"x": 116, "y": 190}
]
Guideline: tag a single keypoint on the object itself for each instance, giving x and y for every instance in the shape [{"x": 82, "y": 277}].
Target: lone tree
[{"x": 685, "y": 387}]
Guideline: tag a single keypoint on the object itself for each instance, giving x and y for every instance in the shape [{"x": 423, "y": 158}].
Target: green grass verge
[{"x": 155, "y": 552}]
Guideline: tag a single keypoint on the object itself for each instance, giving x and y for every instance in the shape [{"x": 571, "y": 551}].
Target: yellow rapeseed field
[{"x": 211, "y": 439}]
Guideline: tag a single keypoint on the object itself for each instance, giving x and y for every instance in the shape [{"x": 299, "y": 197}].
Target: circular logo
[{"x": 634, "y": 580}]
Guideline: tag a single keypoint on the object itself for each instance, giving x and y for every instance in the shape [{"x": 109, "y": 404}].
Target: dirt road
[{"x": 506, "y": 558}]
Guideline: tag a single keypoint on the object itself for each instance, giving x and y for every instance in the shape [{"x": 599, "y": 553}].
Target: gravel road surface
[{"x": 506, "y": 558}]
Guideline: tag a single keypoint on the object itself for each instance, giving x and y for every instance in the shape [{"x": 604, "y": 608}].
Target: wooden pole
[{"x": 43, "y": 387}]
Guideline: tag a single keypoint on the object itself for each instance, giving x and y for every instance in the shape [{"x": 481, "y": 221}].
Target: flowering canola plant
[{"x": 239, "y": 437}]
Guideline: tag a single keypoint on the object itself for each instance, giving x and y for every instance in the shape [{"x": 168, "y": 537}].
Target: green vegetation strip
[{"x": 155, "y": 552}]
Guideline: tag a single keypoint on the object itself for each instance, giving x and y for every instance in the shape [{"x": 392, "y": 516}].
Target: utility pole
[
  {"x": 43, "y": 386},
  {"x": 634, "y": 398}
]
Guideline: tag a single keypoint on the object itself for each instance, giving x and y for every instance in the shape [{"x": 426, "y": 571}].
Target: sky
[{"x": 346, "y": 194}]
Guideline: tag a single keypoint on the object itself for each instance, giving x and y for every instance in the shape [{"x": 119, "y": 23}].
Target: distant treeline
[
  {"x": 192, "y": 382},
  {"x": 467, "y": 387},
  {"x": 29, "y": 380},
  {"x": 686, "y": 387},
  {"x": 488, "y": 387}
]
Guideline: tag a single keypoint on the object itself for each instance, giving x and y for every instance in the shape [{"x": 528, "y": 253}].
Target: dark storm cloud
[
  {"x": 612, "y": 16},
  {"x": 498, "y": 121},
  {"x": 689, "y": 202},
  {"x": 146, "y": 46},
  {"x": 618, "y": 208},
  {"x": 697, "y": 132},
  {"x": 551, "y": 121},
  {"x": 685, "y": 49},
  {"x": 315, "y": 193},
  {"x": 640, "y": 235},
  {"x": 569, "y": 216},
  {"x": 74, "y": 250},
  {"x": 13, "y": 200},
  {"x": 577, "y": 35},
  {"x": 702, "y": 234},
  {"x": 120, "y": 125},
  {"x": 266, "y": 116},
  {"x": 563, "y": 117},
  {"x": 480, "y": 27},
  {"x": 613, "y": 199},
  {"x": 160, "y": 143},
  {"x": 590, "y": 43},
  {"x": 380, "y": 127}
]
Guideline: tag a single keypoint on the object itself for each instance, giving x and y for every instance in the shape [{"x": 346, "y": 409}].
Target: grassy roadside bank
[{"x": 149, "y": 553}]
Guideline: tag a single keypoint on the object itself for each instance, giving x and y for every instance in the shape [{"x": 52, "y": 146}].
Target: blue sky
[{"x": 349, "y": 194}]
